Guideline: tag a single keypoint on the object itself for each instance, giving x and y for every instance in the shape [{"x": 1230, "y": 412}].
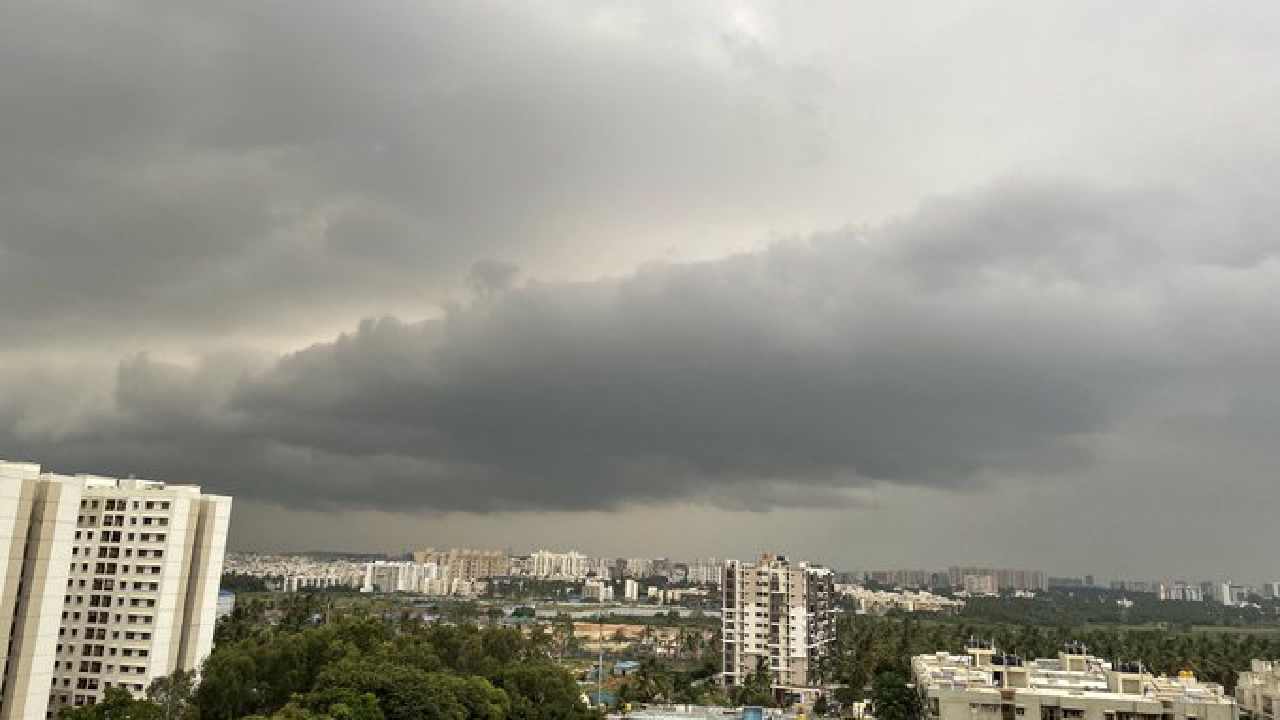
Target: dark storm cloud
[
  {"x": 188, "y": 169},
  {"x": 988, "y": 335},
  {"x": 176, "y": 172}
]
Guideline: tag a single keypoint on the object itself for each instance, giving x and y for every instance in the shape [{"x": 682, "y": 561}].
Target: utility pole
[{"x": 600, "y": 667}]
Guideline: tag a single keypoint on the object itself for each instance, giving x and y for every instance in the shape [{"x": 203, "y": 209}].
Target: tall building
[
  {"x": 980, "y": 584},
  {"x": 565, "y": 566},
  {"x": 705, "y": 571},
  {"x": 1232, "y": 594},
  {"x": 597, "y": 589},
  {"x": 985, "y": 683},
  {"x": 913, "y": 579},
  {"x": 392, "y": 576},
  {"x": 779, "y": 618},
  {"x": 1005, "y": 578},
  {"x": 1180, "y": 590},
  {"x": 466, "y": 564},
  {"x": 110, "y": 583}
]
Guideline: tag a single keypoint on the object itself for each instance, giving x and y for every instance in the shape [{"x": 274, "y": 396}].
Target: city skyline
[{"x": 873, "y": 284}]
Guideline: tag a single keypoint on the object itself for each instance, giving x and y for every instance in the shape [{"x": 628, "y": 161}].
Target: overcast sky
[{"x": 879, "y": 284}]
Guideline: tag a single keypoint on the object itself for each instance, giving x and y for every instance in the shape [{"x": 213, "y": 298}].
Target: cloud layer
[
  {"x": 993, "y": 335},
  {"x": 996, "y": 259}
]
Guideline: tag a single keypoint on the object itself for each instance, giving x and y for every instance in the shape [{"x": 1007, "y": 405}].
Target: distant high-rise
[
  {"x": 466, "y": 564},
  {"x": 109, "y": 583},
  {"x": 779, "y": 618},
  {"x": 1005, "y": 578}
]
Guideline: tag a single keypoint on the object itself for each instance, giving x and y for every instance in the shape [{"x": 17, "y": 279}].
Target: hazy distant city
[{"x": 469, "y": 572}]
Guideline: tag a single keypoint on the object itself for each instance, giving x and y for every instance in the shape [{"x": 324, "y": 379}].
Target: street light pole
[{"x": 600, "y": 667}]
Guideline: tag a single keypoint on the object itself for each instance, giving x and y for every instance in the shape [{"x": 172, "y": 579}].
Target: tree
[
  {"x": 117, "y": 704},
  {"x": 173, "y": 694},
  {"x": 892, "y": 699},
  {"x": 756, "y": 688},
  {"x": 542, "y": 691}
]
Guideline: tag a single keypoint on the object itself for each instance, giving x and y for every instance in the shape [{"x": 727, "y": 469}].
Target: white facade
[
  {"x": 705, "y": 571},
  {"x": 778, "y": 616},
  {"x": 987, "y": 685},
  {"x": 597, "y": 589},
  {"x": 398, "y": 576},
  {"x": 630, "y": 590},
  {"x": 878, "y": 602},
  {"x": 1258, "y": 690},
  {"x": 568, "y": 565},
  {"x": 1232, "y": 594},
  {"x": 119, "y": 584}
]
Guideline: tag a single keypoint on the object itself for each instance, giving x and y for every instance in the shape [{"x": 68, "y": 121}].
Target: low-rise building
[
  {"x": 985, "y": 684},
  {"x": 878, "y": 602},
  {"x": 1258, "y": 690}
]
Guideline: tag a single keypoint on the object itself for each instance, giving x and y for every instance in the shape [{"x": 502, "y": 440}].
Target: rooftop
[{"x": 1072, "y": 673}]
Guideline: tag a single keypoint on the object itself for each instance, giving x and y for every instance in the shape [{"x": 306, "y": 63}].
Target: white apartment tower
[
  {"x": 778, "y": 615},
  {"x": 110, "y": 583}
]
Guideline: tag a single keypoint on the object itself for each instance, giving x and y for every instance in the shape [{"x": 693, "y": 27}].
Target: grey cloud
[
  {"x": 805, "y": 374},
  {"x": 179, "y": 172}
]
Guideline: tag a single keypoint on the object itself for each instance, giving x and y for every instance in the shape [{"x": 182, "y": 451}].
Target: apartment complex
[
  {"x": 879, "y": 602},
  {"x": 1258, "y": 690},
  {"x": 109, "y": 582},
  {"x": 778, "y": 617},
  {"x": 555, "y": 565},
  {"x": 985, "y": 684},
  {"x": 1000, "y": 578},
  {"x": 466, "y": 564}
]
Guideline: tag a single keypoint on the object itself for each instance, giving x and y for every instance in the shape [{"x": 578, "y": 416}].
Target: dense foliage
[
  {"x": 1097, "y": 606},
  {"x": 242, "y": 583},
  {"x": 295, "y": 662},
  {"x": 892, "y": 699},
  {"x": 655, "y": 681},
  {"x": 368, "y": 669}
]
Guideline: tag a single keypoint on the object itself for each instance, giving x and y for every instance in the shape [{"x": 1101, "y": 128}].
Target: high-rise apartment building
[
  {"x": 562, "y": 566},
  {"x": 779, "y": 618},
  {"x": 1005, "y": 578},
  {"x": 109, "y": 583},
  {"x": 466, "y": 564}
]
